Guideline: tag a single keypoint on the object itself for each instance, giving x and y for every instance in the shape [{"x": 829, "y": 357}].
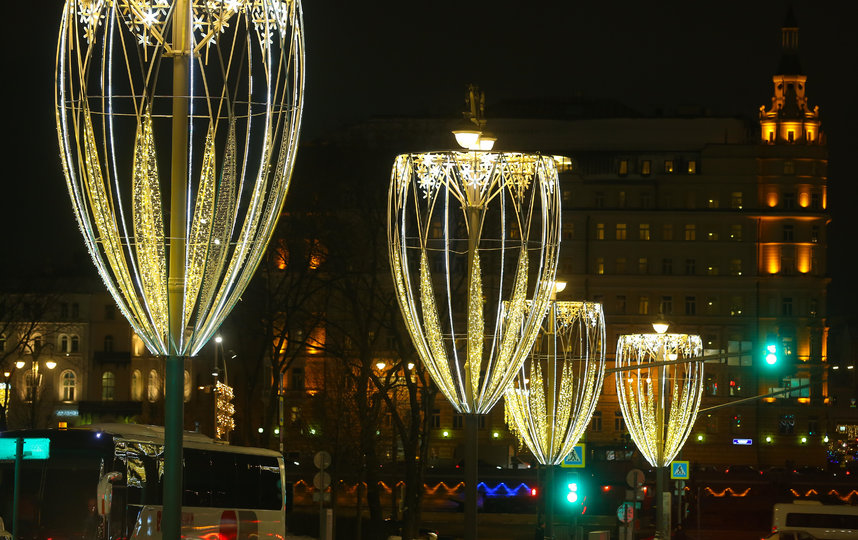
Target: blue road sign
[
  {"x": 575, "y": 459},
  {"x": 679, "y": 470}
]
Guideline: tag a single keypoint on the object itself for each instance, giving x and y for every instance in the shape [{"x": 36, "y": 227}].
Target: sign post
[{"x": 20, "y": 449}]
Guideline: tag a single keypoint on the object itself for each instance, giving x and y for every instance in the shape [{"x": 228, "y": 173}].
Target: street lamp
[
  {"x": 550, "y": 403},
  {"x": 492, "y": 218},
  {"x": 659, "y": 387},
  {"x": 216, "y": 90}
]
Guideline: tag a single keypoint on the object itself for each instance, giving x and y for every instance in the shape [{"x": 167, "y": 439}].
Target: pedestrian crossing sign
[
  {"x": 575, "y": 459},
  {"x": 679, "y": 470}
]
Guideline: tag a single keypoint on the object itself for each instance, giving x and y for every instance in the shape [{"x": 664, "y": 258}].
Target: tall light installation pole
[
  {"x": 659, "y": 387},
  {"x": 212, "y": 91},
  {"x": 550, "y": 403},
  {"x": 472, "y": 236}
]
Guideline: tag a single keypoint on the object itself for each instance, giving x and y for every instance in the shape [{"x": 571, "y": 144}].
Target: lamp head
[
  {"x": 50, "y": 364},
  {"x": 660, "y": 325},
  {"x": 468, "y": 138}
]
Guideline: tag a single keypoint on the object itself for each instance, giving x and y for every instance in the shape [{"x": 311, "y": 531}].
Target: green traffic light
[
  {"x": 771, "y": 354},
  {"x": 572, "y": 496}
]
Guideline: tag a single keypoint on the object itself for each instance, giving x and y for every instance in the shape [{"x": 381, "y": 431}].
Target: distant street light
[{"x": 659, "y": 402}]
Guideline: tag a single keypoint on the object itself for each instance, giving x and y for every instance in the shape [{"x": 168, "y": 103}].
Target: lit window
[
  {"x": 667, "y": 231},
  {"x": 136, "y": 385},
  {"x": 668, "y": 166},
  {"x": 712, "y": 235},
  {"x": 600, "y": 265},
  {"x": 153, "y": 387},
  {"x": 621, "y": 231},
  {"x": 712, "y": 270},
  {"x": 692, "y": 166},
  {"x": 600, "y": 231},
  {"x": 643, "y": 265},
  {"x": 643, "y": 305},
  {"x": 108, "y": 386},
  {"x": 736, "y": 233},
  {"x": 736, "y": 200},
  {"x": 736, "y": 267},
  {"x": 646, "y": 167},
  {"x": 691, "y": 232},
  {"x": 68, "y": 385},
  {"x": 186, "y": 391},
  {"x": 712, "y": 203},
  {"x": 643, "y": 231},
  {"x": 790, "y": 136},
  {"x": 624, "y": 167}
]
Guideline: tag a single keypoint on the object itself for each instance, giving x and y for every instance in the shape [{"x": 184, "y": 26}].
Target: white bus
[
  {"x": 105, "y": 482},
  {"x": 821, "y": 520}
]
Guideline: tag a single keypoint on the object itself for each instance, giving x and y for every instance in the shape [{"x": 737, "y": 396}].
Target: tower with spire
[{"x": 789, "y": 120}]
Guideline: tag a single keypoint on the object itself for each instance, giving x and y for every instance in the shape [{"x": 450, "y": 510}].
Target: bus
[
  {"x": 834, "y": 521},
  {"x": 104, "y": 482}
]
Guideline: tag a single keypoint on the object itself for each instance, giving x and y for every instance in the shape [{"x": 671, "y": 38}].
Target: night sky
[{"x": 414, "y": 57}]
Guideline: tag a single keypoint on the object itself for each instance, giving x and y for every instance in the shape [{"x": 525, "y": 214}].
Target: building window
[
  {"x": 108, "y": 343},
  {"x": 186, "y": 391},
  {"x": 64, "y": 309},
  {"x": 786, "y": 424},
  {"x": 596, "y": 422},
  {"x": 668, "y": 166},
  {"x": 621, "y": 231},
  {"x": 646, "y": 167},
  {"x": 153, "y": 386},
  {"x": 621, "y": 265},
  {"x": 643, "y": 265},
  {"x": 643, "y": 231},
  {"x": 814, "y": 201},
  {"x": 735, "y": 385},
  {"x": 646, "y": 199},
  {"x": 621, "y": 304},
  {"x": 600, "y": 265},
  {"x": 436, "y": 418},
  {"x": 667, "y": 266},
  {"x": 75, "y": 310},
  {"x": 108, "y": 386},
  {"x": 667, "y": 231},
  {"x": 692, "y": 166},
  {"x": 690, "y": 267},
  {"x": 64, "y": 343},
  {"x": 600, "y": 231},
  {"x": 736, "y": 267},
  {"x": 788, "y": 233},
  {"x": 458, "y": 420},
  {"x": 712, "y": 270},
  {"x": 712, "y": 203},
  {"x": 623, "y": 167},
  {"x": 789, "y": 166},
  {"x": 136, "y": 385},
  {"x": 297, "y": 380},
  {"x": 691, "y": 305},
  {"x": 621, "y": 199},
  {"x": 666, "y": 306},
  {"x": 736, "y": 306},
  {"x": 786, "y": 307},
  {"x": 736, "y": 233},
  {"x": 619, "y": 421},
  {"x": 789, "y": 201},
  {"x": 712, "y": 236},
  {"x": 814, "y": 234},
  {"x": 643, "y": 305},
  {"x": 68, "y": 384},
  {"x": 599, "y": 199},
  {"x": 691, "y": 232},
  {"x": 712, "y": 305},
  {"x": 736, "y": 200},
  {"x": 2, "y": 342},
  {"x": 568, "y": 231}
]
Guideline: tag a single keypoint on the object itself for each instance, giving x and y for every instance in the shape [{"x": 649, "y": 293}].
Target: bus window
[
  {"x": 198, "y": 478},
  {"x": 225, "y": 491}
]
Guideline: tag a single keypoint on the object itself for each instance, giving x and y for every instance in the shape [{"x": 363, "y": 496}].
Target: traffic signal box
[{"x": 571, "y": 489}]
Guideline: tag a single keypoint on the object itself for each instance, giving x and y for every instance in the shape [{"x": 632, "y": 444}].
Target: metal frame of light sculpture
[
  {"x": 443, "y": 208},
  {"x": 659, "y": 403},
  {"x": 243, "y": 96},
  {"x": 550, "y": 403}
]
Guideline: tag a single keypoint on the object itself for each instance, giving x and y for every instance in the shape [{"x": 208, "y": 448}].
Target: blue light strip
[{"x": 502, "y": 490}]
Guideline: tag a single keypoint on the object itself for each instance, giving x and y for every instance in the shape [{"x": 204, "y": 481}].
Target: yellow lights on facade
[
  {"x": 768, "y": 438},
  {"x": 803, "y": 440},
  {"x": 772, "y": 199},
  {"x": 176, "y": 289},
  {"x": 495, "y": 435},
  {"x": 445, "y": 433},
  {"x": 659, "y": 403},
  {"x": 700, "y": 437},
  {"x": 20, "y": 364},
  {"x": 550, "y": 404},
  {"x": 804, "y": 258},
  {"x": 224, "y": 410},
  {"x": 499, "y": 214}
]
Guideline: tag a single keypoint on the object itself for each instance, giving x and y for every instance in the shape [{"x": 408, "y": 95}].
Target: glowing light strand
[{"x": 441, "y": 206}]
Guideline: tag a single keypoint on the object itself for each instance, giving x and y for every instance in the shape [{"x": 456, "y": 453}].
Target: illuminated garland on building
[
  {"x": 472, "y": 237},
  {"x": 113, "y": 120},
  {"x": 659, "y": 423},
  {"x": 224, "y": 410},
  {"x": 550, "y": 403}
]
